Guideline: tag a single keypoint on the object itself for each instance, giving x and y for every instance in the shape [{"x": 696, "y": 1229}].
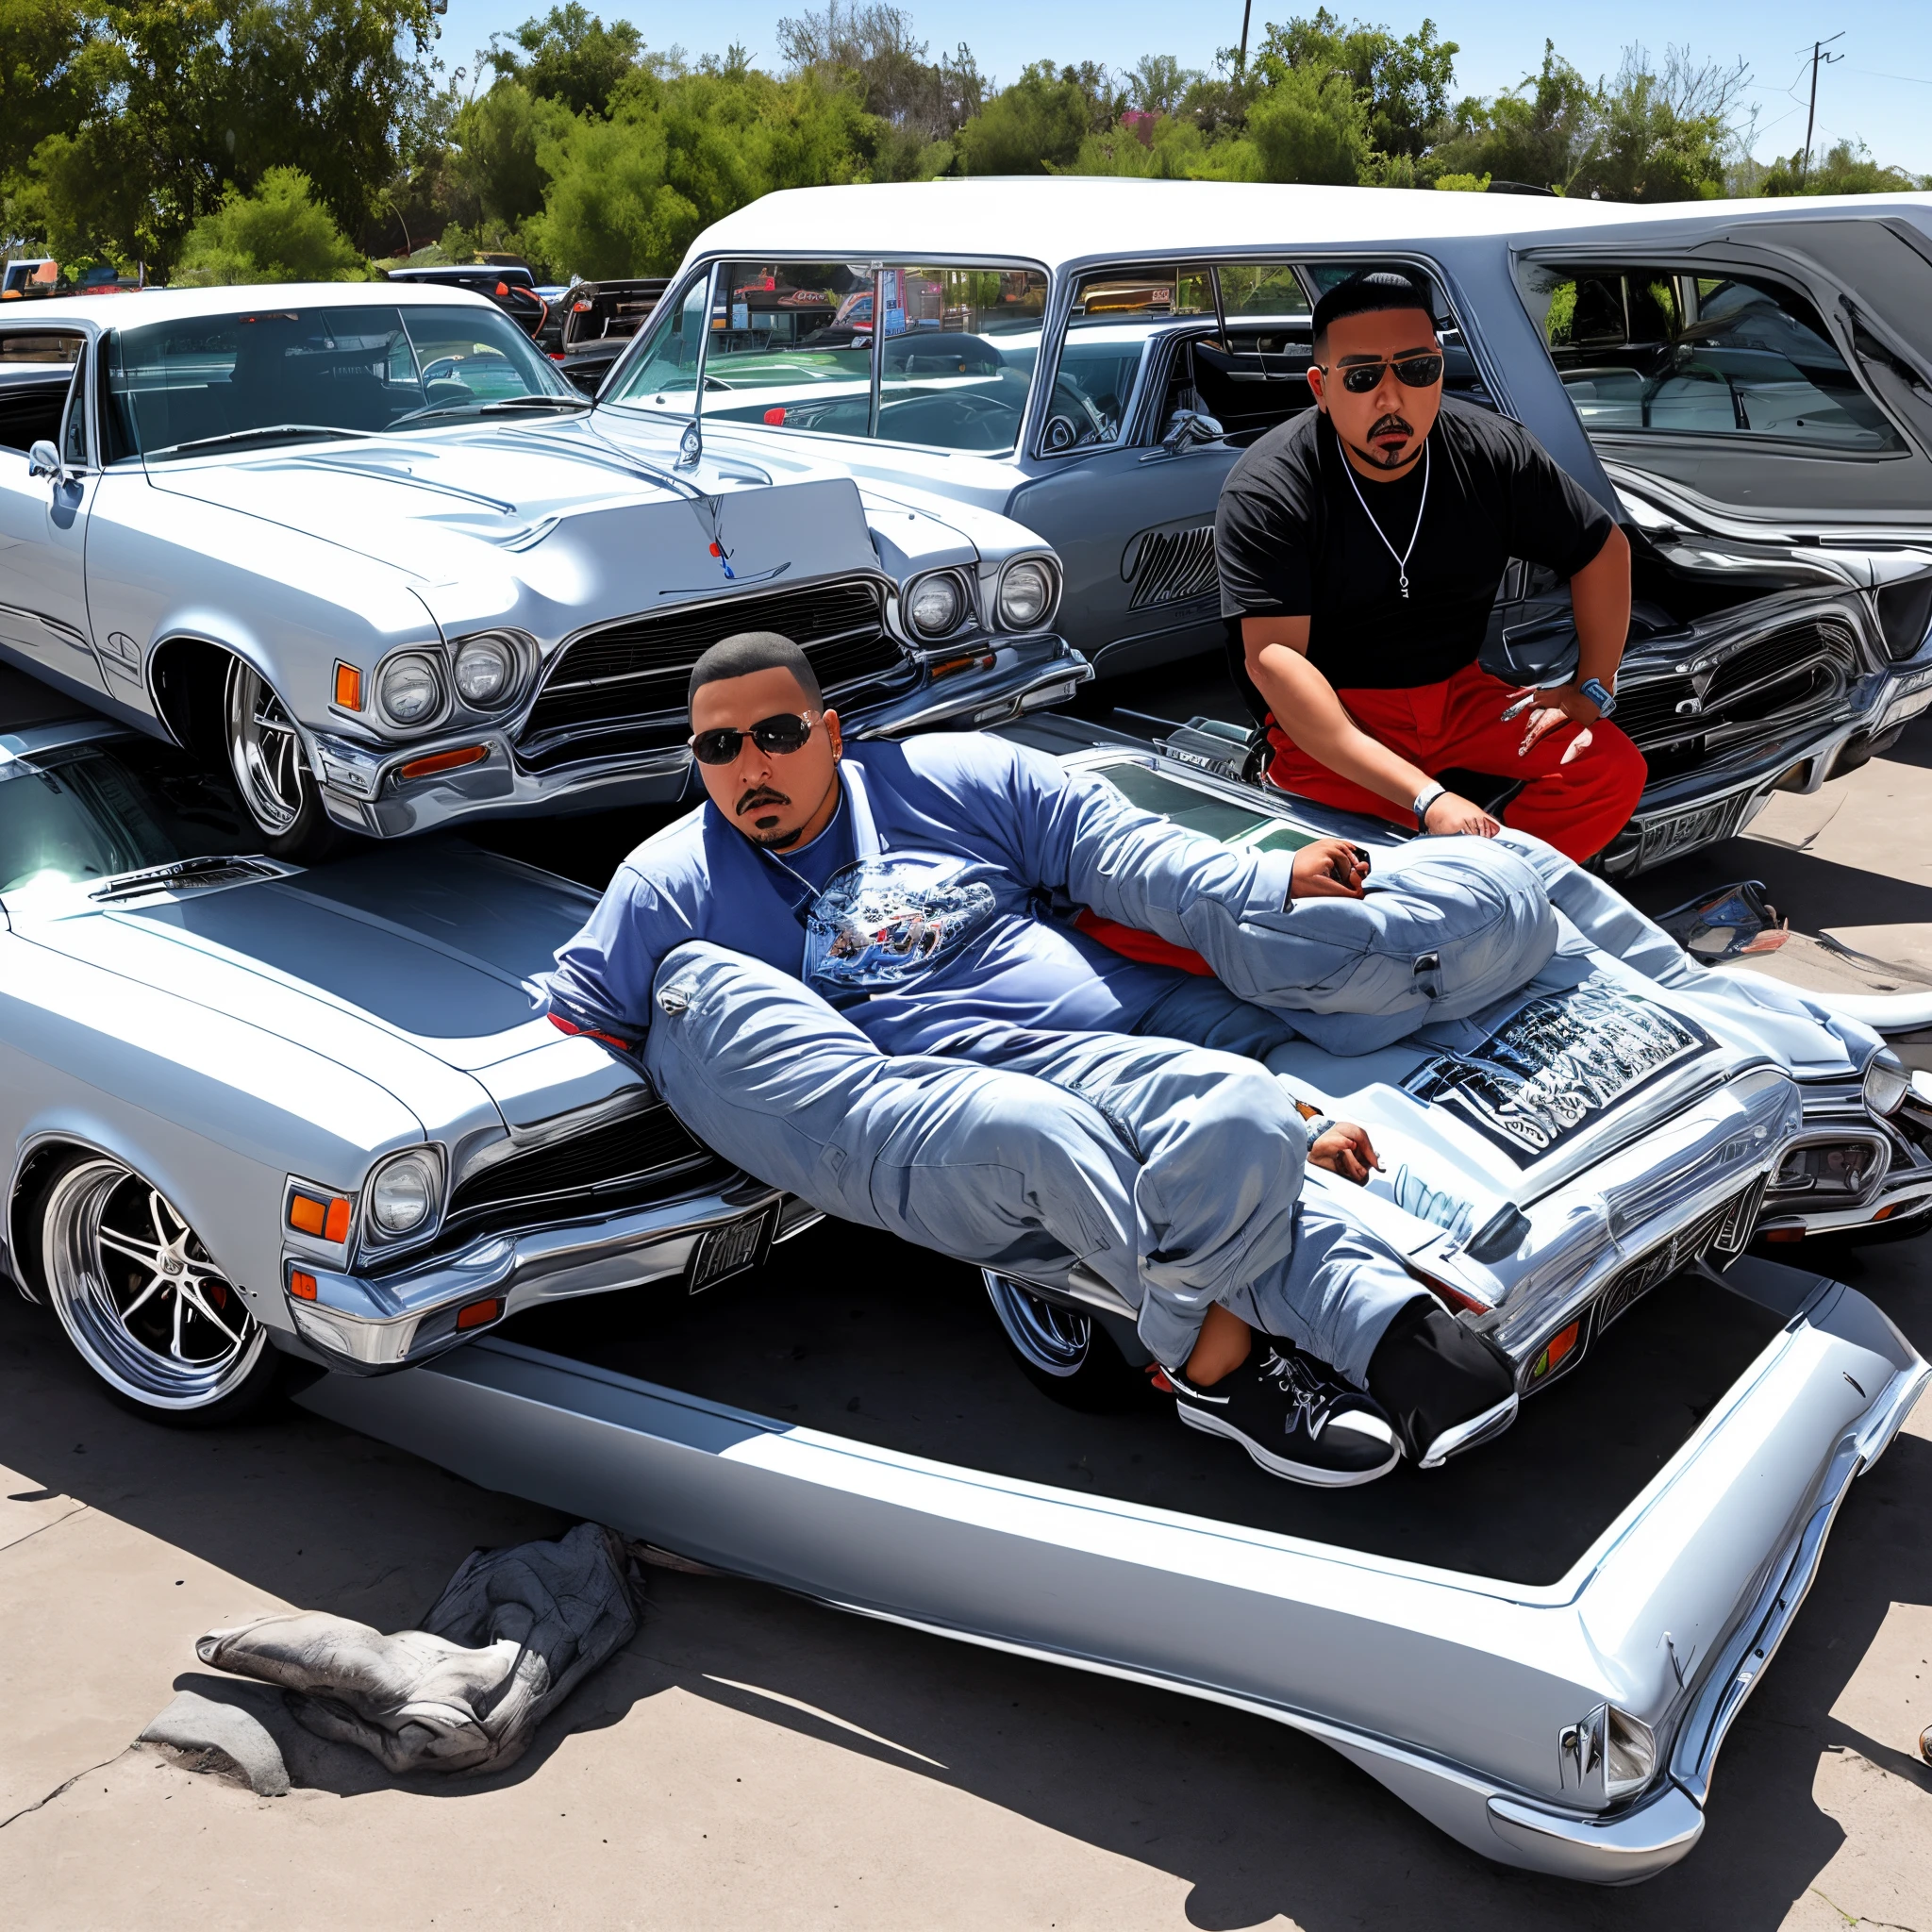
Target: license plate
[
  {"x": 1704, "y": 824},
  {"x": 733, "y": 1248}
]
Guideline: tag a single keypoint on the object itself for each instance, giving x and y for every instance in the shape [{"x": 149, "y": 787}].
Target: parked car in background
[
  {"x": 28, "y": 274},
  {"x": 599, "y": 320},
  {"x": 1745, "y": 384},
  {"x": 512, "y": 288},
  {"x": 362, "y": 547}
]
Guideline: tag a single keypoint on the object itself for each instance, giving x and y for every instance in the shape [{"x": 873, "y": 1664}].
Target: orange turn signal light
[
  {"x": 443, "y": 762},
  {"x": 1784, "y": 1234},
  {"x": 348, "y": 688},
  {"x": 328, "y": 1220},
  {"x": 978, "y": 660},
  {"x": 1560, "y": 1345},
  {"x": 302, "y": 1286},
  {"x": 476, "y": 1313},
  {"x": 1885, "y": 1212}
]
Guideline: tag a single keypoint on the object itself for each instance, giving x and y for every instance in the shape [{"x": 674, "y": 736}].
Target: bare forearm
[
  {"x": 1311, "y": 715},
  {"x": 1600, "y": 597}
]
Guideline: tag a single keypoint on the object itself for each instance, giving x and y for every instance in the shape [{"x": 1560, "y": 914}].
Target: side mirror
[
  {"x": 43, "y": 460},
  {"x": 1188, "y": 427}
]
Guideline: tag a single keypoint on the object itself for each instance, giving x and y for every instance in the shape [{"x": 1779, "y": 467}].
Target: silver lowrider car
[
  {"x": 257, "y": 1111},
  {"x": 360, "y": 546},
  {"x": 1745, "y": 384}
]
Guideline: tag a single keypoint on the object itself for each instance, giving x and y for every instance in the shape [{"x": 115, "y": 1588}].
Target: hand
[
  {"x": 1346, "y": 1149},
  {"x": 1452, "y": 814},
  {"x": 1565, "y": 704},
  {"x": 1328, "y": 869}
]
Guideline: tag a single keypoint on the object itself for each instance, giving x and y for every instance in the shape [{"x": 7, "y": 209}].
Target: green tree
[
  {"x": 495, "y": 174},
  {"x": 570, "y": 57},
  {"x": 277, "y": 234},
  {"x": 1845, "y": 168},
  {"x": 1529, "y": 133},
  {"x": 1030, "y": 127},
  {"x": 1659, "y": 135},
  {"x": 42, "y": 86},
  {"x": 1404, "y": 83},
  {"x": 1311, "y": 124},
  {"x": 181, "y": 100}
]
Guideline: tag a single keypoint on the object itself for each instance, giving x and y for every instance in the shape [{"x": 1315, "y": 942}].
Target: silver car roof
[
  {"x": 1064, "y": 219},
  {"x": 137, "y": 306}
]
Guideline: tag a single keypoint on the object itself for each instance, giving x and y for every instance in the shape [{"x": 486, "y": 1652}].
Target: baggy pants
[{"x": 1170, "y": 1170}]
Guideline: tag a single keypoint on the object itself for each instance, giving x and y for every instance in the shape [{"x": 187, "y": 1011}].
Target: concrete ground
[{"x": 752, "y": 1760}]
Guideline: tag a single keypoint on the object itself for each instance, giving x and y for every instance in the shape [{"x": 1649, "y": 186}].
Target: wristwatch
[
  {"x": 1426, "y": 797},
  {"x": 1603, "y": 700}
]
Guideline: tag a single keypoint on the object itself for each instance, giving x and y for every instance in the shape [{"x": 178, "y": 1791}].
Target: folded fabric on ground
[{"x": 513, "y": 1633}]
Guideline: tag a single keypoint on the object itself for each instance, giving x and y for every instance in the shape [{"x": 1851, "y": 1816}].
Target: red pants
[{"x": 1579, "y": 807}]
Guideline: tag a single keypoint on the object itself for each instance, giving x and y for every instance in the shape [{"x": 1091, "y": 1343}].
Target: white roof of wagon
[{"x": 1065, "y": 218}]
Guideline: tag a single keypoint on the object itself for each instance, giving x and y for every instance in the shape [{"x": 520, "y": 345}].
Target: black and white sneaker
[{"x": 1295, "y": 1417}]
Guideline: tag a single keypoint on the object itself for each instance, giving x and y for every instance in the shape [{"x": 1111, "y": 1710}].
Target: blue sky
[{"x": 1881, "y": 90}]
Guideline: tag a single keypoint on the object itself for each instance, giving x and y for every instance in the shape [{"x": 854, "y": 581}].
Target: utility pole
[
  {"x": 1247, "y": 12},
  {"x": 1818, "y": 57}
]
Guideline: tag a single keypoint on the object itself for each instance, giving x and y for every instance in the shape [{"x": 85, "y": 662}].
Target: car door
[{"x": 44, "y": 620}]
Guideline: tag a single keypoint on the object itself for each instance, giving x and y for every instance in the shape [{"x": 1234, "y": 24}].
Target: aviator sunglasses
[
  {"x": 1413, "y": 371},
  {"x": 775, "y": 736}
]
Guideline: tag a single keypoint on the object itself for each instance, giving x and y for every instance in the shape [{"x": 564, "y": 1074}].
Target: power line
[{"x": 1818, "y": 58}]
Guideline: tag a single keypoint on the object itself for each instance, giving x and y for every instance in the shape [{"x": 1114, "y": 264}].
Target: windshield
[
  {"x": 793, "y": 346},
  {"x": 92, "y": 811},
  {"x": 178, "y": 389}
]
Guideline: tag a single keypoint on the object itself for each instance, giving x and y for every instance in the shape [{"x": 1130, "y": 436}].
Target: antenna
[{"x": 1818, "y": 58}]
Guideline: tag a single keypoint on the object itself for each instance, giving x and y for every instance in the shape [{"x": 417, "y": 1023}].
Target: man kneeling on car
[{"x": 855, "y": 975}]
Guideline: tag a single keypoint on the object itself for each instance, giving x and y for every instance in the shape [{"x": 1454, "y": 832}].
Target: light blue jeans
[{"x": 1170, "y": 1170}]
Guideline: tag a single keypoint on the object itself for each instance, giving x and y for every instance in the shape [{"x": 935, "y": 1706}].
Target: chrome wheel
[
  {"x": 1054, "y": 1339},
  {"x": 264, "y": 752},
  {"x": 138, "y": 1293}
]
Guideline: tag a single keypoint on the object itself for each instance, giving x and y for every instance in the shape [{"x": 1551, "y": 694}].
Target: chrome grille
[
  {"x": 1785, "y": 675},
  {"x": 1173, "y": 567},
  {"x": 622, "y": 690}
]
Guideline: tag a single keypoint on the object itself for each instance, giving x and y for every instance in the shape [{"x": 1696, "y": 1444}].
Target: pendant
[{"x": 1402, "y": 583}]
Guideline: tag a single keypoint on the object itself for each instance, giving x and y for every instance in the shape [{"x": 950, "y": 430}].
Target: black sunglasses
[
  {"x": 772, "y": 736},
  {"x": 1414, "y": 372}
]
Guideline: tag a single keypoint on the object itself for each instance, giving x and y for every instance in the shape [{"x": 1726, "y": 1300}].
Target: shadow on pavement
[{"x": 1257, "y": 1819}]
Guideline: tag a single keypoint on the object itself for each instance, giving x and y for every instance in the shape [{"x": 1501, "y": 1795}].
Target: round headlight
[
  {"x": 1887, "y": 1082},
  {"x": 934, "y": 606},
  {"x": 408, "y": 690},
  {"x": 403, "y": 1197},
  {"x": 485, "y": 667},
  {"x": 1025, "y": 595}
]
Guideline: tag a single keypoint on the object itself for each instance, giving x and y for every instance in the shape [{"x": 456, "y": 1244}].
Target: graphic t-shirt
[
  {"x": 921, "y": 911},
  {"x": 1296, "y": 535}
]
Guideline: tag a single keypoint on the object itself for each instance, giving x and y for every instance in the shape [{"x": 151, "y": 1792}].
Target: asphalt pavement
[{"x": 752, "y": 1760}]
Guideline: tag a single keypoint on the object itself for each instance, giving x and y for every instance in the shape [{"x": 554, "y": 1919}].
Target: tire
[
  {"x": 264, "y": 755},
  {"x": 1065, "y": 1352},
  {"x": 143, "y": 1302}
]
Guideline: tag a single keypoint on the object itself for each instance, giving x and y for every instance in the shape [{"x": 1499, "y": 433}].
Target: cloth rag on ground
[{"x": 513, "y": 1633}]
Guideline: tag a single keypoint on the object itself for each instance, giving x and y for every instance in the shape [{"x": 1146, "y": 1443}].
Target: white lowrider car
[
  {"x": 360, "y": 546},
  {"x": 256, "y": 1112}
]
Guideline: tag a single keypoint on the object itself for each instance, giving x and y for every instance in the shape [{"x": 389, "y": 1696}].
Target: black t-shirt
[{"x": 1293, "y": 540}]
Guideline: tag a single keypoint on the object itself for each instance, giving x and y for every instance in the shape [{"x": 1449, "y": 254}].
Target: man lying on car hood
[{"x": 845, "y": 973}]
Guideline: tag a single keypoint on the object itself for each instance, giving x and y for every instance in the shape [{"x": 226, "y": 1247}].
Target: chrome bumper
[
  {"x": 369, "y": 1325},
  {"x": 362, "y": 789},
  {"x": 1733, "y": 801}
]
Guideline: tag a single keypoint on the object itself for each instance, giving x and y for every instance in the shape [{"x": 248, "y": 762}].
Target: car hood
[
  {"x": 415, "y": 965},
  {"x": 543, "y": 527}
]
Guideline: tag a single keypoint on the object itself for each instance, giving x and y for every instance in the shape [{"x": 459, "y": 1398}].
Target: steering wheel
[{"x": 1072, "y": 421}]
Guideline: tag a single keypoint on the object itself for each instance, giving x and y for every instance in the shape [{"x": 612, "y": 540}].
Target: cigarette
[{"x": 1520, "y": 705}]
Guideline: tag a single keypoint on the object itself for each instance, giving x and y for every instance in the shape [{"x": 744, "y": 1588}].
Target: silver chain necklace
[{"x": 1403, "y": 556}]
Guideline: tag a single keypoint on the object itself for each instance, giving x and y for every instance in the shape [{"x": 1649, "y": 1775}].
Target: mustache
[
  {"x": 758, "y": 795},
  {"x": 1392, "y": 425}
]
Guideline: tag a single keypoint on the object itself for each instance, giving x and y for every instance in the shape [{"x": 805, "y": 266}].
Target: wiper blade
[
  {"x": 279, "y": 431},
  {"x": 503, "y": 403},
  {"x": 217, "y": 871}
]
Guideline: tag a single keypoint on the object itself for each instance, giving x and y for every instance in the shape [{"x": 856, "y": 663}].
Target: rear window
[{"x": 1655, "y": 351}]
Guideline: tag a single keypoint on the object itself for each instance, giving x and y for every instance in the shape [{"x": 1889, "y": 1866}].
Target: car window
[
  {"x": 203, "y": 380},
  {"x": 92, "y": 811},
  {"x": 1656, "y": 351},
  {"x": 1116, "y": 314},
  {"x": 73, "y": 433},
  {"x": 792, "y": 347},
  {"x": 36, "y": 368},
  {"x": 21, "y": 347}
]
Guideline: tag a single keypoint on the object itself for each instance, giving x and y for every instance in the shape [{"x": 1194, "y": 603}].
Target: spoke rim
[
  {"x": 264, "y": 752},
  {"x": 1055, "y": 1339},
  {"x": 138, "y": 1293}
]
